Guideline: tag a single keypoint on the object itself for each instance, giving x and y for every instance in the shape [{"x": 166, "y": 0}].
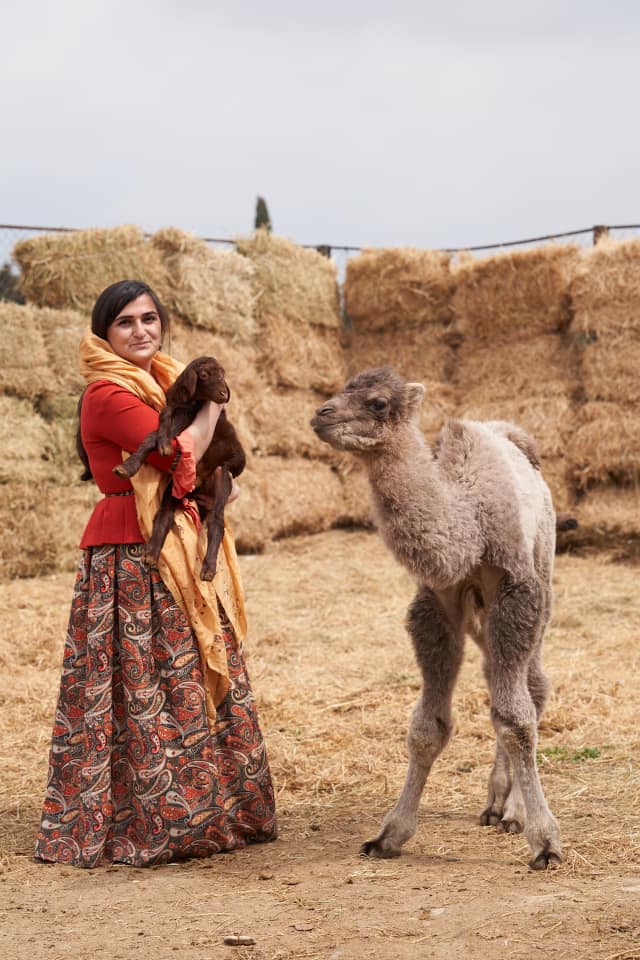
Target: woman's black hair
[
  {"x": 114, "y": 299},
  {"x": 107, "y": 307}
]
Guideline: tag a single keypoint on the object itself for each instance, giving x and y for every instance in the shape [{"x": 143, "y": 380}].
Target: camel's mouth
[
  {"x": 320, "y": 425},
  {"x": 338, "y": 434}
]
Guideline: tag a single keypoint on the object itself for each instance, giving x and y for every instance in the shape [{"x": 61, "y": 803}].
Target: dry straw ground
[{"x": 335, "y": 681}]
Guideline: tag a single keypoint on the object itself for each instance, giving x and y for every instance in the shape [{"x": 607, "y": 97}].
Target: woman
[{"x": 157, "y": 753}]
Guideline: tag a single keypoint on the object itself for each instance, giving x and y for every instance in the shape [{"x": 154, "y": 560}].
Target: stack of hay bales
[
  {"x": 514, "y": 360},
  {"x": 68, "y": 270},
  {"x": 269, "y": 313},
  {"x": 44, "y": 506},
  {"x": 298, "y": 363},
  {"x": 398, "y": 303},
  {"x": 605, "y": 446}
]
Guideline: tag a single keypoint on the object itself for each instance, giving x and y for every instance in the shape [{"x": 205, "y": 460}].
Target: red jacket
[{"x": 113, "y": 420}]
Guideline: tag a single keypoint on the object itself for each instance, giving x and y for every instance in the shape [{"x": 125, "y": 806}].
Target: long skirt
[{"x": 135, "y": 775}]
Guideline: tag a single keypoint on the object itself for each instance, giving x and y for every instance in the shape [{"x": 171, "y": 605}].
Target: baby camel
[{"x": 472, "y": 520}]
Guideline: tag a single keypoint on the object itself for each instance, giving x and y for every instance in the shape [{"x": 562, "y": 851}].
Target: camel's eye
[{"x": 378, "y": 404}]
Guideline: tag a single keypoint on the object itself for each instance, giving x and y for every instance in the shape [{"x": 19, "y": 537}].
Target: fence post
[{"x": 599, "y": 232}]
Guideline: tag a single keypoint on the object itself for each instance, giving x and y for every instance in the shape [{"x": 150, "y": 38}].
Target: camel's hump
[{"x": 456, "y": 437}]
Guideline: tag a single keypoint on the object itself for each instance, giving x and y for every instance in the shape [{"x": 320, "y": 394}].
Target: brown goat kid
[
  {"x": 201, "y": 380},
  {"x": 472, "y": 520}
]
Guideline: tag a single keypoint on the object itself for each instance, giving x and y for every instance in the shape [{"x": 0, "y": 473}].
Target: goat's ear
[
  {"x": 185, "y": 387},
  {"x": 414, "y": 393}
]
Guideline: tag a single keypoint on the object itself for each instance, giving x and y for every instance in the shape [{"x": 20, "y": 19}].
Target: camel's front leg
[{"x": 437, "y": 637}]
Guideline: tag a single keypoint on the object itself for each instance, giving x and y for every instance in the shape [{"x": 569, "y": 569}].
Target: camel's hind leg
[
  {"x": 518, "y": 689},
  {"x": 435, "y": 626}
]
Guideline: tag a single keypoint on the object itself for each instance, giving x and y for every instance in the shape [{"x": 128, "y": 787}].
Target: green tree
[
  {"x": 9, "y": 285},
  {"x": 262, "y": 215}
]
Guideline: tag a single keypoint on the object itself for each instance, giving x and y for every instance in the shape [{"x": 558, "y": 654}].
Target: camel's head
[{"x": 363, "y": 417}]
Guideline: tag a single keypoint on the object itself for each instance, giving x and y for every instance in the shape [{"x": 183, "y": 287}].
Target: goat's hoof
[
  {"x": 376, "y": 851},
  {"x": 490, "y": 818},
  {"x": 151, "y": 558},
  {"x": 207, "y": 574},
  {"x": 121, "y": 471},
  {"x": 509, "y": 826},
  {"x": 547, "y": 859},
  {"x": 166, "y": 450}
]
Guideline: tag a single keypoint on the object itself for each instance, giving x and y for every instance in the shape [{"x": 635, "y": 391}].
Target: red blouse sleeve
[{"x": 112, "y": 414}]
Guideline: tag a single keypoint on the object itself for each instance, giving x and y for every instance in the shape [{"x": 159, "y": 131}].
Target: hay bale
[
  {"x": 62, "y": 331},
  {"x": 514, "y": 295},
  {"x": 24, "y": 368},
  {"x": 609, "y": 514},
  {"x": 34, "y": 450},
  {"x": 286, "y": 496},
  {"x": 419, "y": 353},
  {"x": 69, "y": 270},
  {"x": 307, "y": 357},
  {"x": 605, "y": 447},
  {"x": 293, "y": 283},
  {"x": 279, "y": 422},
  {"x": 610, "y": 371},
  {"x": 605, "y": 291},
  {"x": 27, "y": 449},
  {"x": 404, "y": 287},
  {"x": 41, "y": 527},
  {"x": 210, "y": 288},
  {"x": 541, "y": 366}
]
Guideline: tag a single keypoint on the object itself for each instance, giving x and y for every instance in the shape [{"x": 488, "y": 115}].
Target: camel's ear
[{"x": 414, "y": 393}]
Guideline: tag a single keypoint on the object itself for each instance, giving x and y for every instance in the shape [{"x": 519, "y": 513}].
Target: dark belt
[{"x": 120, "y": 493}]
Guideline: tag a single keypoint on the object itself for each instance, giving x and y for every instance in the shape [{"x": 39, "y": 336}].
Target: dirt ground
[{"x": 335, "y": 681}]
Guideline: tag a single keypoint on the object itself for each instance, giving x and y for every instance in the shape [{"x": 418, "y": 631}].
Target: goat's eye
[{"x": 378, "y": 404}]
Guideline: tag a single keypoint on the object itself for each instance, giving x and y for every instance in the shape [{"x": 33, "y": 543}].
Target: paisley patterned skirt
[{"x": 135, "y": 776}]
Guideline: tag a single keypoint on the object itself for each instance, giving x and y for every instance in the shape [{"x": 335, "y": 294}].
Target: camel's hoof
[
  {"x": 375, "y": 850},
  {"x": 207, "y": 574},
  {"x": 510, "y": 826},
  {"x": 546, "y": 860},
  {"x": 490, "y": 818}
]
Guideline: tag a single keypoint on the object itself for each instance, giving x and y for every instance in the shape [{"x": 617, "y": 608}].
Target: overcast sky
[{"x": 401, "y": 123}]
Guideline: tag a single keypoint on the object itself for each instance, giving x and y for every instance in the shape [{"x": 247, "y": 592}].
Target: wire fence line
[{"x": 10, "y": 234}]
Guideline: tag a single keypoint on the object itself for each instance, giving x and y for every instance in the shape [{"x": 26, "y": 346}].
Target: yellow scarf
[{"x": 184, "y": 549}]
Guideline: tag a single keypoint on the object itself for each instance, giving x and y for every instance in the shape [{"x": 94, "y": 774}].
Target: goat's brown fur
[{"x": 203, "y": 379}]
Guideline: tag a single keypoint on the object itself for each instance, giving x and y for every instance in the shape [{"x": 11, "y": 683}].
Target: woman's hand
[{"x": 202, "y": 428}]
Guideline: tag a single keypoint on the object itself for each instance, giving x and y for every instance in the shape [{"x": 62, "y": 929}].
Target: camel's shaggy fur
[{"x": 472, "y": 520}]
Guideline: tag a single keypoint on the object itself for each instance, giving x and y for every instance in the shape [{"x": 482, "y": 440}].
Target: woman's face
[{"x": 136, "y": 333}]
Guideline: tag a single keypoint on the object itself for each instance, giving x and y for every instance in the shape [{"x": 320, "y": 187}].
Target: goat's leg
[
  {"x": 223, "y": 483},
  {"x": 162, "y": 524},
  {"x": 132, "y": 464},
  {"x": 437, "y": 636},
  {"x": 513, "y": 648}
]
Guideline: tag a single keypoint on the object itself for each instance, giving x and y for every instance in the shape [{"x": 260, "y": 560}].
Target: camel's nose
[{"x": 326, "y": 410}]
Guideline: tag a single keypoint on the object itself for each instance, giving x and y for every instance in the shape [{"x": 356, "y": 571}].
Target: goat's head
[
  {"x": 202, "y": 379},
  {"x": 363, "y": 416}
]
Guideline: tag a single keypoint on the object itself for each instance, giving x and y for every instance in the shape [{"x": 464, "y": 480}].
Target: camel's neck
[{"x": 417, "y": 509}]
